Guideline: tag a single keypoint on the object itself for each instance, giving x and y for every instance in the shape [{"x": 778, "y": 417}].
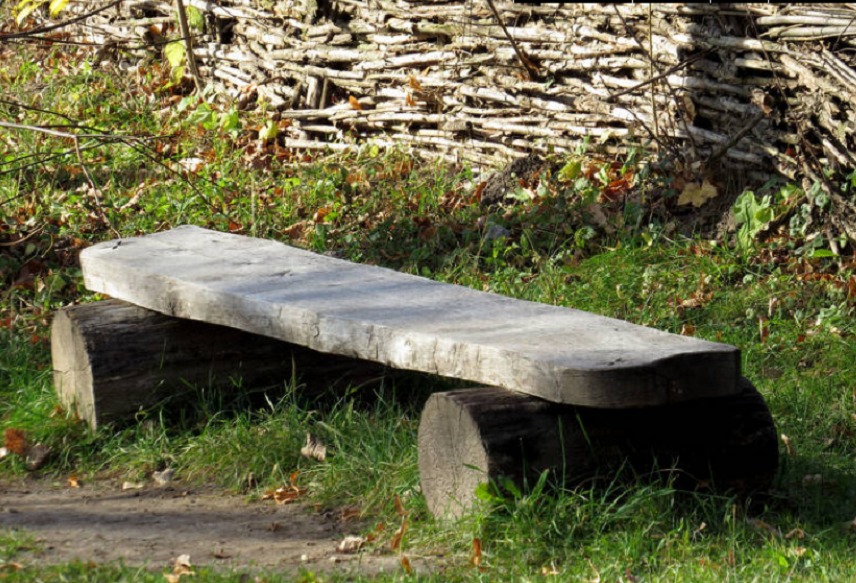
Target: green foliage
[
  {"x": 787, "y": 305},
  {"x": 753, "y": 216}
]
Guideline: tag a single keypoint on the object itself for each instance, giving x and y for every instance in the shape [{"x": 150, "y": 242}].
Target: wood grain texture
[
  {"x": 408, "y": 322},
  {"x": 472, "y": 436},
  {"x": 112, "y": 359}
]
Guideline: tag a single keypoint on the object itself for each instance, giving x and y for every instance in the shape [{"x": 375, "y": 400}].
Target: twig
[
  {"x": 524, "y": 60},
  {"x": 43, "y": 29},
  {"x": 719, "y": 152},
  {"x": 188, "y": 45},
  {"x": 683, "y": 64}
]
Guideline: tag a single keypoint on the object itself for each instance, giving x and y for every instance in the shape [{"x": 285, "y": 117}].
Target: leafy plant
[{"x": 753, "y": 216}]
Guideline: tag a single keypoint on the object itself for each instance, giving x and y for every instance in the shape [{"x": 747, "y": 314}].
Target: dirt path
[{"x": 152, "y": 526}]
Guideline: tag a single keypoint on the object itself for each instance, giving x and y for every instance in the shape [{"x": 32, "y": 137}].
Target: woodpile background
[{"x": 736, "y": 93}]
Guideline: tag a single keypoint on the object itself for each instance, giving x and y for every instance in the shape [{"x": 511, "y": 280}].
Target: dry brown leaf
[
  {"x": 405, "y": 564},
  {"x": 180, "y": 567},
  {"x": 414, "y": 83},
  {"x": 476, "y": 557},
  {"x": 395, "y": 543},
  {"x": 351, "y": 544},
  {"x": 16, "y": 441},
  {"x": 354, "y": 102},
  {"x": 350, "y": 513},
  {"x": 697, "y": 194},
  {"x": 163, "y": 477},
  {"x": 687, "y": 330},
  {"x": 399, "y": 507},
  {"x": 314, "y": 448},
  {"x": 73, "y": 482},
  {"x": 409, "y": 101},
  {"x": 319, "y": 215}
]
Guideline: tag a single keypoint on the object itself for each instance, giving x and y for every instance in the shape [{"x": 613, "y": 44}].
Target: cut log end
[
  {"x": 112, "y": 359},
  {"x": 472, "y": 436}
]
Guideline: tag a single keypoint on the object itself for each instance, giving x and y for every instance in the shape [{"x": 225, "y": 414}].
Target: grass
[{"x": 201, "y": 163}]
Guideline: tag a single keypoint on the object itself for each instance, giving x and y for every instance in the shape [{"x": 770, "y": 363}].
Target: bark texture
[{"x": 471, "y": 436}]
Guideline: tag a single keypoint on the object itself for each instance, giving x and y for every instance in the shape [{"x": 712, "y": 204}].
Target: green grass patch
[{"x": 156, "y": 158}]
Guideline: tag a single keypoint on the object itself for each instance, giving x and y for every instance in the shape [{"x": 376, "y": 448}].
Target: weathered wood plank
[{"x": 335, "y": 306}]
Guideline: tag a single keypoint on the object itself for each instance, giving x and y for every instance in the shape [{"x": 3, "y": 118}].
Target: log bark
[
  {"x": 112, "y": 359},
  {"x": 471, "y": 436}
]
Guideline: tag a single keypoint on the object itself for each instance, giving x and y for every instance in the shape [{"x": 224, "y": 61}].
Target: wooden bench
[{"x": 564, "y": 389}]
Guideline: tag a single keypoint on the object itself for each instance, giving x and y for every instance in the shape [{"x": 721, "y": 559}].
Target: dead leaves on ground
[
  {"x": 180, "y": 567},
  {"x": 286, "y": 494},
  {"x": 16, "y": 442}
]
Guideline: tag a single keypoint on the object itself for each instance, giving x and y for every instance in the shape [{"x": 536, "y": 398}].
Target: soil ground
[{"x": 152, "y": 526}]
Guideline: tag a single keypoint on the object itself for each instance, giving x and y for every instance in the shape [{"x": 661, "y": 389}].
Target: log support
[
  {"x": 112, "y": 359},
  {"x": 471, "y": 436}
]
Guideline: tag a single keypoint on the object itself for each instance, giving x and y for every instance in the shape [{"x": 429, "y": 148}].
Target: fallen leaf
[
  {"x": 476, "y": 557},
  {"x": 191, "y": 165},
  {"x": 687, "y": 330},
  {"x": 414, "y": 83},
  {"x": 164, "y": 477},
  {"x": 180, "y": 567},
  {"x": 350, "y": 513},
  {"x": 16, "y": 441},
  {"x": 133, "y": 485},
  {"x": 409, "y": 101},
  {"x": 405, "y": 564},
  {"x": 351, "y": 544},
  {"x": 285, "y": 494},
  {"x": 395, "y": 543},
  {"x": 789, "y": 446},
  {"x": 73, "y": 482},
  {"x": 354, "y": 102},
  {"x": 314, "y": 449},
  {"x": 697, "y": 194},
  {"x": 399, "y": 507},
  {"x": 319, "y": 215}
]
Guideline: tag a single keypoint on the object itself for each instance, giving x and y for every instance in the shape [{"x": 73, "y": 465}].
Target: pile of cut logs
[{"x": 762, "y": 88}]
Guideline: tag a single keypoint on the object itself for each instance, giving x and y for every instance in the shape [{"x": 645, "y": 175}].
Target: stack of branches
[{"x": 759, "y": 90}]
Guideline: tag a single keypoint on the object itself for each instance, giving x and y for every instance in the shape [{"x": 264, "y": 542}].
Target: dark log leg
[
  {"x": 474, "y": 435},
  {"x": 112, "y": 358}
]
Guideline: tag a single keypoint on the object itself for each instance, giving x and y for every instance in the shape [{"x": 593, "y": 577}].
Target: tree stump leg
[
  {"x": 471, "y": 436},
  {"x": 111, "y": 359}
]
